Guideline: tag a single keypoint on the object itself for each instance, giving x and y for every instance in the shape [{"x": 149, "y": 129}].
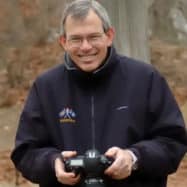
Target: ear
[
  {"x": 62, "y": 41},
  {"x": 110, "y": 36}
]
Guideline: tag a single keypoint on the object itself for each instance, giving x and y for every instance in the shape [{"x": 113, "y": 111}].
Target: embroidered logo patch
[{"x": 67, "y": 115}]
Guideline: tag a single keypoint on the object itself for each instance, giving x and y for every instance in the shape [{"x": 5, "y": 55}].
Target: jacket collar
[{"x": 87, "y": 79}]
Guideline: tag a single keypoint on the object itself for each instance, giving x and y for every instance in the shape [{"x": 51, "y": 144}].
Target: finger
[
  {"x": 68, "y": 154},
  {"x": 117, "y": 176},
  {"x": 69, "y": 178},
  {"x": 118, "y": 165},
  {"x": 59, "y": 169},
  {"x": 119, "y": 173},
  {"x": 112, "y": 152},
  {"x": 59, "y": 165},
  {"x": 112, "y": 168},
  {"x": 64, "y": 177}
]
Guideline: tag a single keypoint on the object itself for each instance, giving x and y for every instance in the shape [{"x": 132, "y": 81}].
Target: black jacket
[{"x": 125, "y": 103}]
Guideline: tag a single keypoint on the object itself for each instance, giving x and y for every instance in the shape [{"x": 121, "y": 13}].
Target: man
[{"x": 99, "y": 99}]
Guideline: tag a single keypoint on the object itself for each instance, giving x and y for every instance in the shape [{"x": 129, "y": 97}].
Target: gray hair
[{"x": 79, "y": 9}]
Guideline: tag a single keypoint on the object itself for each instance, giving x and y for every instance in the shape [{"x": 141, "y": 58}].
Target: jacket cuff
[{"x": 136, "y": 158}]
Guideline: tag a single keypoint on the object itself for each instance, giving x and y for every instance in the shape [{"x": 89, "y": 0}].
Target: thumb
[
  {"x": 112, "y": 152},
  {"x": 68, "y": 154}
]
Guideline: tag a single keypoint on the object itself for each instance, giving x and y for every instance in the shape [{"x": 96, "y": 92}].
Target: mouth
[{"x": 87, "y": 57}]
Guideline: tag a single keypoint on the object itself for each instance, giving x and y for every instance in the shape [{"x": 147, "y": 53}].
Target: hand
[
  {"x": 121, "y": 168},
  {"x": 68, "y": 178}
]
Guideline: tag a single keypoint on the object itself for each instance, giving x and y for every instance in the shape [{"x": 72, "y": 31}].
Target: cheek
[
  {"x": 71, "y": 52},
  {"x": 103, "y": 50},
  {"x": 109, "y": 43}
]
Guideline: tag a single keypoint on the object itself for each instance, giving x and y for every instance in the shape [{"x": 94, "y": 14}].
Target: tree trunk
[{"x": 130, "y": 19}]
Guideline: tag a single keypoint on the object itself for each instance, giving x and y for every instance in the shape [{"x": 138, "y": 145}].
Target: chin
[{"x": 89, "y": 69}]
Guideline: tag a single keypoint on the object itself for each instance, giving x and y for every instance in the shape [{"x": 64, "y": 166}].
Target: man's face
[{"x": 86, "y": 42}]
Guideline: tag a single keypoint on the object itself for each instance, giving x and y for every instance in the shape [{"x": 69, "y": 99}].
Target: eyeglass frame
[{"x": 93, "y": 39}]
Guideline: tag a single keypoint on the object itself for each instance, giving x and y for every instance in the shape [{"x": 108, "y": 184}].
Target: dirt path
[{"x": 8, "y": 125}]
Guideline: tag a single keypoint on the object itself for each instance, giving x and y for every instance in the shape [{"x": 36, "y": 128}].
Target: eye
[
  {"x": 95, "y": 37},
  {"x": 75, "y": 40}
]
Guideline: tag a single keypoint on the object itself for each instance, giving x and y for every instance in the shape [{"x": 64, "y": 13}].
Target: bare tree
[{"x": 130, "y": 18}]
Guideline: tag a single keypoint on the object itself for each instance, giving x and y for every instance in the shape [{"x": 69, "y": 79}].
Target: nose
[{"x": 85, "y": 45}]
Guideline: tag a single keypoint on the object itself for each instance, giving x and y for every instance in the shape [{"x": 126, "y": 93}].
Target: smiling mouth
[
  {"x": 87, "y": 58},
  {"x": 87, "y": 55}
]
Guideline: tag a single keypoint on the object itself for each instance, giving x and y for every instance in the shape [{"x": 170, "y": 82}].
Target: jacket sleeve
[
  {"x": 34, "y": 153},
  {"x": 165, "y": 142}
]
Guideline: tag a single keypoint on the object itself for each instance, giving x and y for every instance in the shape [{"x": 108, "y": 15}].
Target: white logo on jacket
[{"x": 67, "y": 115}]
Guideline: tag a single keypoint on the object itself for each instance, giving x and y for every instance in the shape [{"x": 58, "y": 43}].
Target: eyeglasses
[{"x": 93, "y": 39}]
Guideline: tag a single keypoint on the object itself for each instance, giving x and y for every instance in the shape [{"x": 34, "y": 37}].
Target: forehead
[{"x": 90, "y": 23}]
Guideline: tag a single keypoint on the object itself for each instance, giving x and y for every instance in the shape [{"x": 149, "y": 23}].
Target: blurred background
[{"x": 154, "y": 31}]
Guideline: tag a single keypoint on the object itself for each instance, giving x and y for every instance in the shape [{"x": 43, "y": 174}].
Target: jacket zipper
[{"x": 93, "y": 122}]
